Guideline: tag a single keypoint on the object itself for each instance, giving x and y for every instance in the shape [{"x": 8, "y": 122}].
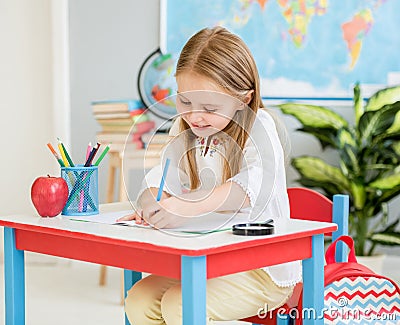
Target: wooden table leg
[
  {"x": 122, "y": 287},
  {"x": 123, "y": 179},
  {"x": 113, "y": 165},
  {"x": 103, "y": 275}
]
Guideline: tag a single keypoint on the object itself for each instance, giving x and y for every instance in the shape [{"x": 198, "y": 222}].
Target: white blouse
[{"x": 262, "y": 176}]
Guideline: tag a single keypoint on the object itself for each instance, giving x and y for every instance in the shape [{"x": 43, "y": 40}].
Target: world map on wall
[{"x": 303, "y": 48}]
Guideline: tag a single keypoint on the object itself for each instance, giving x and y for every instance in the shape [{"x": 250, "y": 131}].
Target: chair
[{"x": 306, "y": 204}]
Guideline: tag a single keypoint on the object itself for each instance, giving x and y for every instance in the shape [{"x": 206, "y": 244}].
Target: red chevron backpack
[{"x": 356, "y": 295}]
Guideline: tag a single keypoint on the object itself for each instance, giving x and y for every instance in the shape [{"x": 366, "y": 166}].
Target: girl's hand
[
  {"x": 169, "y": 213},
  {"x": 164, "y": 219},
  {"x": 137, "y": 216},
  {"x": 147, "y": 199}
]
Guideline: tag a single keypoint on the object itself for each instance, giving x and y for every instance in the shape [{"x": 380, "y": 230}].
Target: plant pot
[{"x": 374, "y": 262}]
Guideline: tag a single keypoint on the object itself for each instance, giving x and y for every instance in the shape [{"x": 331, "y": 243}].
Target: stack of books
[
  {"x": 156, "y": 141},
  {"x": 122, "y": 121}
]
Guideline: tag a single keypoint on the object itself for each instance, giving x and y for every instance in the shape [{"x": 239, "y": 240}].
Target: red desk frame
[{"x": 302, "y": 240}]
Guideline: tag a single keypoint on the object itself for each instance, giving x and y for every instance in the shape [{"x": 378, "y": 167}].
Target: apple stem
[{"x": 48, "y": 175}]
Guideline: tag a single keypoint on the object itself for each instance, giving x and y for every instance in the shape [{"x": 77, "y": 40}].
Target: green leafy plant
[{"x": 368, "y": 170}]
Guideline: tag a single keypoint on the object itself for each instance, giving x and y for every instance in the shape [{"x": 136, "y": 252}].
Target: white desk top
[{"x": 180, "y": 241}]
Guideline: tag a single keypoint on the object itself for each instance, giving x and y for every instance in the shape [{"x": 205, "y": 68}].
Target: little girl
[{"x": 226, "y": 155}]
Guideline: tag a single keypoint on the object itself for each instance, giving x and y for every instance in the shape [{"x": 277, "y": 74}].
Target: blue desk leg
[
  {"x": 193, "y": 283},
  {"x": 313, "y": 284},
  {"x": 130, "y": 278},
  {"x": 341, "y": 218},
  {"x": 14, "y": 278}
]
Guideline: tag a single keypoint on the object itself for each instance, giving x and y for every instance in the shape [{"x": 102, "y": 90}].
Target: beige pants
[{"x": 156, "y": 300}]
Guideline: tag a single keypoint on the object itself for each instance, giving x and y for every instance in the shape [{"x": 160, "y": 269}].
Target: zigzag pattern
[
  {"x": 360, "y": 322},
  {"x": 349, "y": 315},
  {"x": 350, "y": 294},
  {"x": 355, "y": 313},
  {"x": 372, "y": 303},
  {"x": 374, "y": 297},
  {"x": 363, "y": 283}
]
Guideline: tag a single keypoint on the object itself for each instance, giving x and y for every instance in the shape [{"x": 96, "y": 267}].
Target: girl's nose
[{"x": 195, "y": 116}]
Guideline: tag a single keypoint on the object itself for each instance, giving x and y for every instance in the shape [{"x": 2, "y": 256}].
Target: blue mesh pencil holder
[{"x": 83, "y": 198}]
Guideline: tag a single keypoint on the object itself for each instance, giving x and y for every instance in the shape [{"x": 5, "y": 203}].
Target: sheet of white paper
[
  {"x": 108, "y": 218},
  {"x": 211, "y": 222}
]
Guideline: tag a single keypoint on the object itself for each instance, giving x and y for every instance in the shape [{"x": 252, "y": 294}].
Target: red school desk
[{"x": 191, "y": 259}]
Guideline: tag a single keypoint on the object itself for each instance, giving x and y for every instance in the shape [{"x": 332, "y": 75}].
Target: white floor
[{"x": 65, "y": 292}]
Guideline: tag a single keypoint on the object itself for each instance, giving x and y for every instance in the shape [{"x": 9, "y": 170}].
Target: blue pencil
[{"x": 164, "y": 175}]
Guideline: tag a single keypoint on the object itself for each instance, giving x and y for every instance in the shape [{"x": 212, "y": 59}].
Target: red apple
[{"x": 49, "y": 195}]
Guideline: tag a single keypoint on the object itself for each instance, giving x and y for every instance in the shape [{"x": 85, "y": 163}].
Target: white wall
[
  {"x": 26, "y": 123},
  {"x": 108, "y": 42}
]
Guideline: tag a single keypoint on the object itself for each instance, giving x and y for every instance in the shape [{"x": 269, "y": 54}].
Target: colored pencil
[
  {"x": 88, "y": 149},
  {"x": 164, "y": 175},
  {"x": 64, "y": 158},
  {"x": 98, "y": 161},
  {"x": 89, "y": 159},
  {"x": 56, "y": 155},
  {"x": 66, "y": 153},
  {"x": 88, "y": 162},
  {"x": 75, "y": 190}
]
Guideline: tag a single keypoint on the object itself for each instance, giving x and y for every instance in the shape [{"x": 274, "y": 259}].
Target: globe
[{"x": 156, "y": 84}]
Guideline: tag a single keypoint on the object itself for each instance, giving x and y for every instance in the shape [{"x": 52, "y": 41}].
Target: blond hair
[{"x": 223, "y": 57}]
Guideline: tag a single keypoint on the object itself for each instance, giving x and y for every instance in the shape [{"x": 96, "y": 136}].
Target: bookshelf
[{"x": 124, "y": 161}]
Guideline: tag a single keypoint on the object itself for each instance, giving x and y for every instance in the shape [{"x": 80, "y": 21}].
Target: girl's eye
[
  {"x": 209, "y": 110},
  {"x": 184, "y": 102}
]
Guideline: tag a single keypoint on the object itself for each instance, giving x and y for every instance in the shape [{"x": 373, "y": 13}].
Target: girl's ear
[{"x": 248, "y": 97}]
